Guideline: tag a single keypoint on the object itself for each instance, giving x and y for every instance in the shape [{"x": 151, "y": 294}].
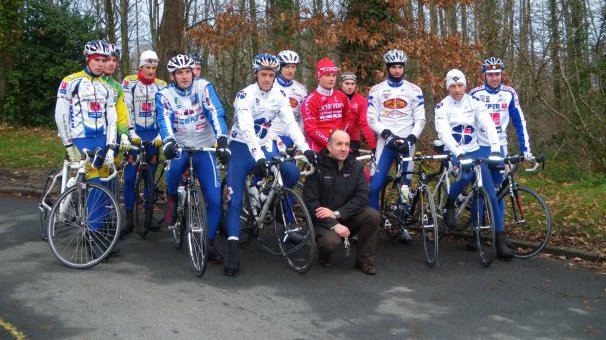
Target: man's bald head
[{"x": 338, "y": 145}]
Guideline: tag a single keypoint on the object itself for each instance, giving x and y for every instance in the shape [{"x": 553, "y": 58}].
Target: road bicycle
[
  {"x": 84, "y": 223},
  {"x": 146, "y": 192},
  {"x": 277, "y": 217},
  {"x": 402, "y": 207}
]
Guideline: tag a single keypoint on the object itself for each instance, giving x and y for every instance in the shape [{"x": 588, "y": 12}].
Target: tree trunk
[
  {"x": 172, "y": 31},
  {"x": 110, "y": 20},
  {"x": 125, "y": 59}
]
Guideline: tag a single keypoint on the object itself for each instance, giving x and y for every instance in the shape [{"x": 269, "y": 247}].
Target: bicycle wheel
[
  {"x": 247, "y": 218},
  {"x": 527, "y": 221},
  {"x": 392, "y": 211},
  {"x": 50, "y": 195},
  {"x": 197, "y": 241},
  {"x": 144, "y": 208},
  {"x": 84, "y": 225},
  {"x": 294, "y": 230},
  {"x": 484, "y": 226},
  {"x": 425, "y": 214}
]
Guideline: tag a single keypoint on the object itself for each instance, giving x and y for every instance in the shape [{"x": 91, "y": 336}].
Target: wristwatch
[{"x": 337, "y": 214}]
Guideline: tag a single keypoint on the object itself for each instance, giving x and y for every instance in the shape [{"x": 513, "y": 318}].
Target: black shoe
[
  {"x": 149, "y": 220},
  {"x": 233, "y": 262},
  {"x": 213, "y": 254},
  {"x": 325, "y": 261},
  {"x": 366, "y": 268},
  {"x": 450, "y": 219},
  {"x": 503, "y": 250},
  {"x": 128, "y": 224},
  {"x": 294, "y": 234}
]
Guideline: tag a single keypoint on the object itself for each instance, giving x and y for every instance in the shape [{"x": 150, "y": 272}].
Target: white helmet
[
  {"x": 97, "y": 47},
  {"x": 455, "y": 76},
  {"x": 394, "y": 57},
  {"x": 265, "y": 61},
  {"x": 148, "y": 57},
  {"x": 179, "y": 62},
  {"x": 493, "y": 65},
  {"x": 288, "y": 57}
]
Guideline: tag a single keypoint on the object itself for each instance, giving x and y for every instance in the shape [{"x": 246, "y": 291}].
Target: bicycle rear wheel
[
  {"x": 84, "y": 225},
  {"x": 392, "y": 211},
  {"x": 50, "y": 195},
  {"x": 144, "y": 202},
  {"x": 484, "y": 226},
  {"x": 197, "y": 241},
  {"x": 425, "y": 214},
  {"x": 294, "y": 230},
  {"x": 527, "y": 221}
]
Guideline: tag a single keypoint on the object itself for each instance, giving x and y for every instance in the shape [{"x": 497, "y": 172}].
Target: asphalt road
[{"x": 149, "y": 292}]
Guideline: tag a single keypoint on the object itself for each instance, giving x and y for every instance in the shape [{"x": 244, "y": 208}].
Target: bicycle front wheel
[
  {"x": 294, "y": 230},
  {"x": 484, "y": 226},
  {"x": 84, "y": 225},
  {"x": 428, "y": 223},
  {"x": 144, "y": 202},
  {"x": 197, "y": 241},
  {"x": 527, "y": 221},
  {"x": 391, "y": 209}
]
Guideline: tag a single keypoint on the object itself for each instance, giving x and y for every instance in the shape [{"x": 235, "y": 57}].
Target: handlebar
[
  {"x": 282, "y": 157},
  {"x": 515, "y": 159},
  {"x": 87, "y": 155}
]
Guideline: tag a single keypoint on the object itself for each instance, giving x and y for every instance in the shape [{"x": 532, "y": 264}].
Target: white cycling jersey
[
  {"x": 399, "y": 107},
  {"x": 458, "y": 124},
  {"x": 503, "y": 105},
  {"x": 295, "y": 92},
  {"x": 254, "y": 113},
  {"x": 140, "y": 101},
  {"x": 86, "y": 108}
]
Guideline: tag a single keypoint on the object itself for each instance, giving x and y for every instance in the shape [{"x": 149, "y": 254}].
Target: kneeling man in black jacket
[{"x": 337, "y": 197}]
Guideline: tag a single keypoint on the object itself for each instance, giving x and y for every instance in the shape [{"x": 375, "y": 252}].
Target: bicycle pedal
[{"x": 173, "y": 227}]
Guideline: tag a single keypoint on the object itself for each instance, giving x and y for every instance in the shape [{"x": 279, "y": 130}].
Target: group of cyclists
[{"x": 271, "y": 115}]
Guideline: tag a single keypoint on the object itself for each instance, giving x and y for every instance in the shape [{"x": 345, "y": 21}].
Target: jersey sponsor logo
[
  {"x": 94, "y": 107},
  {"x": 504, "y": 106},
  {"x": 201, "y": 126},
  {"x": 463, "y": 134},
  {"x": 145, "y": 107},
  {"x": 439, "y": 105},
  {"x": 293, "y": 102},
  {"x": 496, "y": 118},
  {"x": 63, "y": 87},
  {"x": 145, "y": 114},
  {"x": 395, "y": 103},
  {"x": 262, "y": 125},
  {"x": 493, "y": 106}
]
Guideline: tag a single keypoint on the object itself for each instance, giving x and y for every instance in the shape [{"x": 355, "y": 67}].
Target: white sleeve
[
  {"x": 419, "y": 117},
  {"x": 444, "y": 130},
  {"x": 112, "y": 120},
  {"x": 62, "y": 111}
]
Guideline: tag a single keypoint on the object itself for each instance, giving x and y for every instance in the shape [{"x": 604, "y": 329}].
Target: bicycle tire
[
  {"x": 70, "y": 236},
  {"x": 294, "y": 230},
  {"x": 49, "y": 197},
  {"x": 392, "y": 212},
  {"x": 527, "y": 221},
  {"x": 197, "y": 231},
  {"x": 428, "y": 223},
  {"x": 140, "y": 212},
  {"x": 484, "y": 226}
]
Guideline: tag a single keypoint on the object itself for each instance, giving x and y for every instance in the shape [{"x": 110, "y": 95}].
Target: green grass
[{"x": 29, "y": 148}]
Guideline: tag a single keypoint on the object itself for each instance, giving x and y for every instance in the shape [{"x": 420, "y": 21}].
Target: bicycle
[
  {"x": 269, "y": 202},
  {"x": 527, "y": 217},
  {"x": 191, "y": 216},
  {"x": 55, "y": 184},
  {"x": 401, "y": 207},
  {"x": 145, "y": 192},
  {"x": 84, "y": 223}
]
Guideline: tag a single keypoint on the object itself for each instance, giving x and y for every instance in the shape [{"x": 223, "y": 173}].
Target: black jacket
[{"x": 346, "y": 190}]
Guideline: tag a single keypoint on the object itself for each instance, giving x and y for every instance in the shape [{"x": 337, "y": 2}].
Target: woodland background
[{"x": 553, "y": 49}]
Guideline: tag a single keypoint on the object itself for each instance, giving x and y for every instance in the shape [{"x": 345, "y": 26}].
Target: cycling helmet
[
  {"x": 394, "y": 57},
  {"x": 148, "y": 57},
  {"x": 288, "y": 57},
  {"x": 265, "y": 61},
  {"x": 114, "y": 51},
  {"x": 197, "y": 59},
  {"x": 179, "y": 62},
  {"x": 493, "y": 65},
  {"x": 97, "y": 47}
]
